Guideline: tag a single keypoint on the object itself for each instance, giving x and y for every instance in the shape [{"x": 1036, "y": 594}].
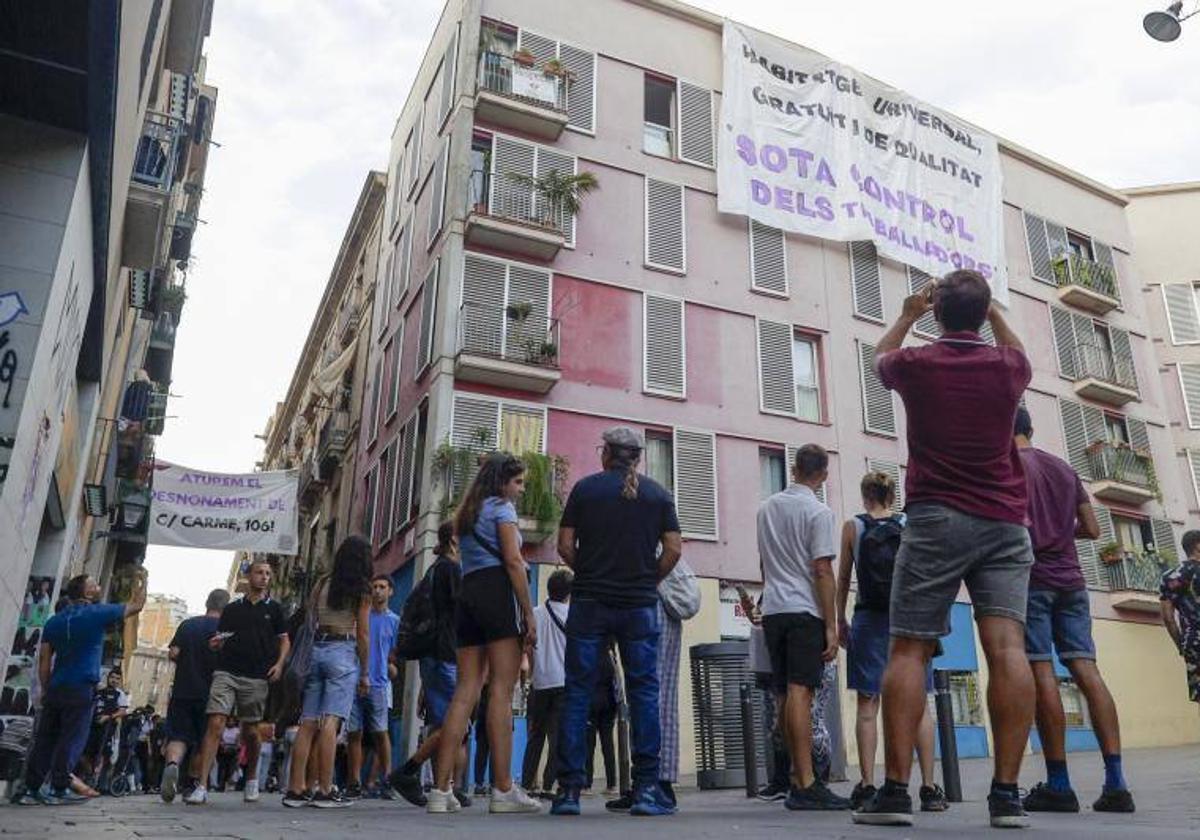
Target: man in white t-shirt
[
  {"x": 549, "y": 677},
  {"x": 796, "y": 547}
]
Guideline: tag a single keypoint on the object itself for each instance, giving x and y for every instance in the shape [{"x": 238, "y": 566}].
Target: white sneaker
[
  {"x": 251, "y": 792},
  {"x": 442, "y": 802},
  {"x": 513, "y": 801},
  {"x": 198, "y": 796}
]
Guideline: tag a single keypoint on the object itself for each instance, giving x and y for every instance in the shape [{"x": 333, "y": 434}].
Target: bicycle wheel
[{"x": 119, "y": 785}]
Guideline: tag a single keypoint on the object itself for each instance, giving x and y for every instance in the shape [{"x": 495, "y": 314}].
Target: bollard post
[
  {"x": 946, "y": 737},
  {"x": 749, "y": 753}
]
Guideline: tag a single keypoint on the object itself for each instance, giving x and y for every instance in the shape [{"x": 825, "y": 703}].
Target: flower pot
[{"x": 523, "y": 58}]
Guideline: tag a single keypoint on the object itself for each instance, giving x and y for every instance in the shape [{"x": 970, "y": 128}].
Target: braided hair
[{"x": 625, "y": 458}]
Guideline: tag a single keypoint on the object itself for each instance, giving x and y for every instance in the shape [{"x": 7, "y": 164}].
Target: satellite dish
[{"x": 1164, "y": 26}]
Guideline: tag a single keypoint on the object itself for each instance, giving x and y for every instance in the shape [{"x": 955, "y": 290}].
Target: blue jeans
[
  {"x": 1058, "y": 622},
  {"x": 63, "y": 725},
  {"x": 589, "y": 625},
  {"x": 332, "y": 681}
]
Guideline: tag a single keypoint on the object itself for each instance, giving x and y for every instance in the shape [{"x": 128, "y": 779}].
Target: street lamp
[{"x": 1167, "y": 25}]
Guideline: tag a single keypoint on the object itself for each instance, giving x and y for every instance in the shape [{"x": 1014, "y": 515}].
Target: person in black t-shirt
[
  {"x": 194, "y": 661},
  {"x": 109, "y": 708}
]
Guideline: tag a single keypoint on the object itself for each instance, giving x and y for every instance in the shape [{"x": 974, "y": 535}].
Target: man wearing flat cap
[{"x": 620, "y": 535}]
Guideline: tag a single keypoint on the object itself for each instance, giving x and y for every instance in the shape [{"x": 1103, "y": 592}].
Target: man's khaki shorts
[{"x": 242, "y": 697}]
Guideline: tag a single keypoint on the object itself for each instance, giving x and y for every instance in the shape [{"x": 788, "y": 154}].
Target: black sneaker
[
  {"x": 815, "y": 797},
  {"x": 1114, "y": 801},
  {"x": 461, "y": 796},
  {"x": 294, "y": 800},
  {"x": 933, "y": 798},
  {"x": 408, "y": 786},
  {"x": 1006, "y": 811},
  {"x": 860, "y": 794},
  {"x": 886, "y": 809},
  {"x": 772, "y": 792},
  {"x": 333, "y": 799},
  {"x": 622, "y": 803},
  {"x": 353, "y": 792},
  {"x": 1045, "y": 799}
]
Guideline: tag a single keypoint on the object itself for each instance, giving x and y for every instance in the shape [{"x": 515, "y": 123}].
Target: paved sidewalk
[{"x": 1165, "y": 782}]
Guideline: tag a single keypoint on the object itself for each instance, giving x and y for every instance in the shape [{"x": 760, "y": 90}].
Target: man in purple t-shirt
[
  {"x": 1059, "y": 620},
  {"x": 966, "y": 508}
]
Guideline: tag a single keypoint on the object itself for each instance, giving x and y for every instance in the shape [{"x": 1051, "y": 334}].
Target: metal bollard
[
  {"x": 946, "y": 738},
  {"x": 749, "y": 753}
]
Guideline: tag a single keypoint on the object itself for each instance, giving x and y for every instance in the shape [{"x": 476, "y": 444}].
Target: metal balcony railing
[
  {"x": 1120, "y": 464},
  {"x": 1098, "y": 362},
  {"x": 513, "y": 198},
  {"x": 335, "y": 435},
  {"x": 505, "y": 75},
  {"x": 154, "y": 162},
  {"x": 348, "y": 320},
  {"x": 508, "y": 333},
  {"x": 1135, "y": 572},
  {"x": 1074, "y": 270}
]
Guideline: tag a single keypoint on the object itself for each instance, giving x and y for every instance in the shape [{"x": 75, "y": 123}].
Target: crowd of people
[{"x": 984, "y": 508}]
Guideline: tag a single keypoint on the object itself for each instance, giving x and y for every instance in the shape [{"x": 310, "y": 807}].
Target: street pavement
[{"x": 1166, "y": 783}]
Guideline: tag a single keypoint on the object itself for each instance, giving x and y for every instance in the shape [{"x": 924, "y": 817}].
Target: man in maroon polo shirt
[{"x": 967, "y": 512}]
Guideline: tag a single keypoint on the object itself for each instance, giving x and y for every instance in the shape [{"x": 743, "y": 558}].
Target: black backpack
[
  {"x": 875, "y": 561},
  {"x": 419, "y": 630}
]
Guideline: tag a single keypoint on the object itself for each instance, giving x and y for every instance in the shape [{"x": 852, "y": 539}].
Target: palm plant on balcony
[{"x": 559, "y": 194}]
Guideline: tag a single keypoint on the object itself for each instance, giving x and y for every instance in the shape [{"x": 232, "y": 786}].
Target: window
[
  {"x": 376, "y": 385},
  {"x": 772, "y": 472},
  {"x": 491, "y": 290},
  {"x": 412, "y": 152},
  {"x": 1079, "y": 245},
  {"x": 695, "y": 124},
  {"x": 482, "y": 424},
  {"x": 665, "y": 226},
  {"x": 964, "y": 694},
  {"x": 395, "y": 349},
  {"x": 1189, "y": 384},
  {"x": 768, "y": 260},
  {"x": 449, "y": 71},
  {"x": 659, "y": 116},
  {"x": 387, "y": 485},
  {"x": 660, "y": 459},
  {"x": 664, "y": 363},
  {"x": 403, "y": 263},
  {"x": 807, "y": 378},
  {"x": 428, "y": 314},
  {"x": 1047, "y": 243},
  {"x": 404, "y": 473},
  {"x": 1183, "y": 312},
  {"x": 1116, "y": 432},
  {"x": 514, "y": 163},
  {"x": 481, "y": 166},
  {"x": 865, "y": 287},
  {"x": 418, "y": 461}
]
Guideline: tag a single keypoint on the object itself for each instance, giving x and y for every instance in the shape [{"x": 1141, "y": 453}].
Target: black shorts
[
  {"x": 487, "y": 608},
  {"x": 186, "y": 720},
  {"x": 99, "y": 740},
  {"x": 795, "y": 642}
]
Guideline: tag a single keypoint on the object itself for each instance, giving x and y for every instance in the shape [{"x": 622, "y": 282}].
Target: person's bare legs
[
  {"x": 354, "y": 758},
  {"x": 903, "y": 704},
  {"x": 798, "y": 714},
  {"x": 298, "y": 778},
  {"x": 253, "y": 742},
  {"x": 1010, "y": 692},
  {"x": 1051, "y": 720},
  {"x": 866, "y": 731},
  {"x": 471, "y": 673},
  {"x": 208, "y": 747},
  {"x": 504, "y": 660},
  {"x": 1101, "y": 708},
  {"x": 326, "y": 743},
  {"x": 925, "y": 748}
]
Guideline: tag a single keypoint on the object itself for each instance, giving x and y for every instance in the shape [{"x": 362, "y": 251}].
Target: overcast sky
[{"x": 310, "y": 89}]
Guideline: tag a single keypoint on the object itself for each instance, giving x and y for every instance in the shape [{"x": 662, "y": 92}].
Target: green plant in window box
[
  {"x": 523, "y": 57},
  {"x": 544, "y": 493},
  {"x": 1111, "y": 553}
]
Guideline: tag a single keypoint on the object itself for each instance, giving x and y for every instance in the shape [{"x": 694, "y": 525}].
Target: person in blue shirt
[
  {"x": 68, "y": 670},
  {"x": 370, "y": 711}
]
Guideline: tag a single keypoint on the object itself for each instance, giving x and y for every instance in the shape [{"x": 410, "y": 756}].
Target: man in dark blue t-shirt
[
  {"x": 612, "y": 528},
  {"x": 68, "y": 670},
  {"x": 194, "y": 661}
]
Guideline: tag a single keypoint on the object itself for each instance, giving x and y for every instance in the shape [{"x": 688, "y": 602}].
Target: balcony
[
  {"x": 311, "y": 483},
  {"x": 1133, "y": 580},
  {"x": 1121, "y": 474},
  {"x": 508, "y": 347},
  {"x": 156, "y": 413},
  {"x": 150, "y": 186},
  {"x": 349, "y": 321},
  {"x": 333, "y": 441},
  {"x": 503, "y": 214},
  {"x": 1085, "y": 284},
  {"x": 519, "y": 96},
  {"x": 1104, "y": 376}
]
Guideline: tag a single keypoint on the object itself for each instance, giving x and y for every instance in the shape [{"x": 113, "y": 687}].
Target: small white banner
[
  {"x": 533, "y": 83},
  {"x": 240, "y": 512},
  {"x": 812, "y": 146}
]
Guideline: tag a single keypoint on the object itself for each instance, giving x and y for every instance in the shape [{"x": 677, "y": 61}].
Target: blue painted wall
[{"x": 959, "y": 655}]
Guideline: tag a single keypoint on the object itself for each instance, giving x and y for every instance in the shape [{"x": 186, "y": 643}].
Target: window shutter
[
  {"x": 545, "y": 162},
  {"x": 385, "y": 513},
  {"x": 879, "y": 409},
  {"x": 1076, "y": 436},
  {"x": 372, "y": 492},
  {"x": 1089, "y": 563},
  {"x": 1184, "y": 321},
  {"x": 664, "y": 367},
  {"x": 768, "y": 259},
  {"x": 483, "y": 316},
  {"x": 376, "y": 384},
  {"x": 1097, "y": 575},
  {"x": 543, "y": 48},
  {"x": 387, "y": 288},
  {"x": 437, "y": 201},
  {"x": 1189, "y": 383},
  {"x": 1139, "y": 435},
  {"x": 665, "y": 239},
  {"x": 892, "y": 469},
  {"x": 511, "y": 160},
  {"x": 695, "y": 124},
  {"x": 1126, "y": 368},
  {"x": 397, "y": 351},
  {"x": 776, "y": 377},
  {"x": 1064, "y": 342},
  {"x": 986, "y": 333},
  {"x": 404, "y": 472},
  {"x": 428, "y": 312},
  {"x": 864, "y": 281},
  {"x": 581, "y": 90},
  {"x": 414, "y": 163},
  {"x": 405, "y": 258},
  {"x": 1056, "y": 240},
  {"x": 1164, "y": 536},
  {"x": 1104, "y": 256},
  {"x": 532, "y": 286},
  {"x": 475, "y": 426},
  {"x": 449, "y": 74},
  {"x": 696, "y": 483},
  {"x": 1193, "y": 456},
  {"x": 927, "y": 325},
  {"x": 1039, "y": 249}
]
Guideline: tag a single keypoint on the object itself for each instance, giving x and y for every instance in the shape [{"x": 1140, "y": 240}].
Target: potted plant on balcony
[
  {"x": 171, "y": 300},
  {"x": 542, "y": 502},
  {"x": 560, "y": 195},
  {"x": 554, "y": 67},
  {"x": 1111, "y": 554},
  {"x": 518, "y": 313},
  {"x": 523, "y": 57}
]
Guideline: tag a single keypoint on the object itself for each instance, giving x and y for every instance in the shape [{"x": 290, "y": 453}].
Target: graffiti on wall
[{"x": 16, "y": 697}]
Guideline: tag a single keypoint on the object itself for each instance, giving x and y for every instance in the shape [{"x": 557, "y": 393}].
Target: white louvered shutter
[
  {"x": 545, "y": 162},
  {"x": 1039, "y": 249},
  {"x": 1056, "y": 241},
  {"x": 405, "y": 257},
  {"x": 397, "y": 351},
  {"x": 879, "y": 408},
  {"x": 665, "y": 246},
  {"x": 1193, "y": 456},
  {"x": 483, "y": 315},
  {"x": 527, "y": 285},
  {"x": 581, "y": 89},
  {"x": 1104, "y": 256},
  {"x": 474, "y": 427},
  {"x": 1064, "y": 342},
  {"x": 372, "y": 491},
  {"x": 864, "y": 281},
  {"x": 376, "y": 397},
  {"x": 1164, "y": 536},
  {"x": 776, "y": 376},
  {"x": 512, "y": 161},
  {"x": 1075, "y": 435},
  {"x": 437, "y": 201},
  {"x": 428, "y": 314},
  {"x": 1089, "y": 563},
  {"x": 543, "y": 48},
  {"x": 1126, "y": 369},
  {"x": 768, "y": 259},
  {"x": 986, "y": 333},
  {"x": 387, "y": 469},
  {"x": 1139, "y": 434},
  {"x": 927, "y": 325},
  {"x": 664, "y": 368},
  {"x": 387, "y": 289},
  {"x": 414, "y": 163},
  {"x": 405, "y": 470},
  {"x": 696, "y": 483},
  {"x": 449, "y": 74},
  {"x": 396, "y": 269},
  {"x": 695, "y": 124},
  {"x": 1182, "y": 317},
  {"x": 891, "y": 469},
  {"x": 1189, "y": 384}
]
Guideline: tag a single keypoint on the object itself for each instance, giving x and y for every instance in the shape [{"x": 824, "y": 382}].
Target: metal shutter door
[
  {"x": 1139, "y": 435},
  {"x": 404, "y": 472},
  {"x": 545, "y": 162},
  {"x": 1064, "y": 342},
  {"x": 696, "y": 483},
  {"x": 483, "y": 300},
  {"x": 695, "y": 124},
  {"x": 1126, "y": 368},
  {"x": 428, "y": 312},
  {"x": 1189, "y": 384},
  {"x": 664, "y": 226},
  {"x": 776, "y": 379},
  {"x": 1104, "y": 256},
  {"x": 581, "y": 90},
  {"x": 1180, "y": 300},
  {"x": 768, "y": 259},
  {"x": 475, "y": 427},
  {"x": 531, "y": 286},
  {"x": 927, "y": 325},
  {"x": 865, "y": 287},
  {"x": 879, "y": 410},
  {"x": 543, "y": 48},
  {"x": 663, "y": 363},
  {"x": 1164, "y": 536}
]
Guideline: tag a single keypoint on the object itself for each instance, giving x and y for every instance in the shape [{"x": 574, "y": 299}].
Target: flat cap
[{"x": 624, "y": 437}]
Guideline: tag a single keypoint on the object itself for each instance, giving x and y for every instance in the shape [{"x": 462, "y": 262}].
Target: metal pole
[
  {"x": 946, "y": 737},
  {"x": 749, "y": 753}
]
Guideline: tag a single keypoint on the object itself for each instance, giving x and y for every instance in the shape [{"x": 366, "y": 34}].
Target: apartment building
[
  {"x": 316, "y": 428},
  {"x": 503, "y": 320},
  {"x": 104, "y": 130},
  {"x": 147, "y": 668}
]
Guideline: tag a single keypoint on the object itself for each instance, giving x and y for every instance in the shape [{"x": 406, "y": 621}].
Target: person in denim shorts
[
  {"x": 1059, "y": 621},
  {"x": 966, "y": 506},
  {"x": 370, "y": 711},
  {"x": 339, "y": 667}
]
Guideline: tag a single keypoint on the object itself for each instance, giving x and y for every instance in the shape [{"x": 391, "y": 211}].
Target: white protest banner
[
  {"x": 240, "y": 512},
  {"x": 812, "y": 146}
]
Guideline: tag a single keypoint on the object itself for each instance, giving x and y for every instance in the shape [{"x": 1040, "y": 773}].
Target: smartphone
[{"x": 223, "y": 636}]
